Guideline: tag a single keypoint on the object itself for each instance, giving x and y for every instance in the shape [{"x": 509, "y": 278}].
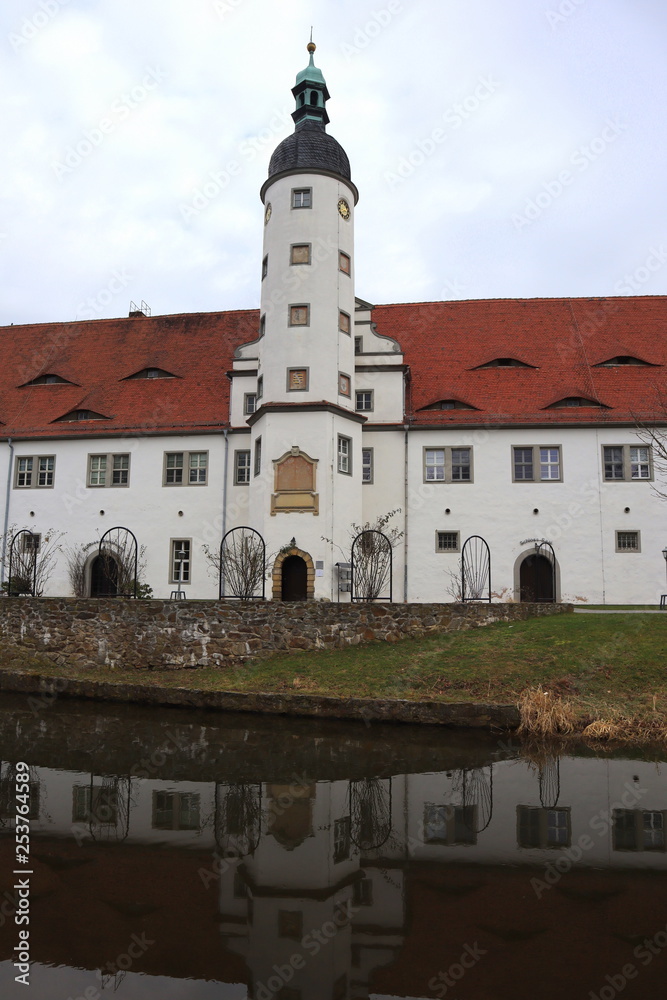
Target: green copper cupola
[{"x": 311, "y": 94}]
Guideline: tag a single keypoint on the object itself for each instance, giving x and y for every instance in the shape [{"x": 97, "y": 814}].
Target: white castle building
[{"x": 512, "y": 420}]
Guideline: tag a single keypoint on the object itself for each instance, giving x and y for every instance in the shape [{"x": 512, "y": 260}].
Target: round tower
[{"x": 306, "y": 433}]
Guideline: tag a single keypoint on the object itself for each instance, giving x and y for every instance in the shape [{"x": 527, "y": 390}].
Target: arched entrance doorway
[
  {"x": 104, "y": 577},
  {"x": 294, "y": 579},
  {"x": 536, "y": 580}
]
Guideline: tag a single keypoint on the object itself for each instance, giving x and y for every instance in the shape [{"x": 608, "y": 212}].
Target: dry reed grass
[{"x": 544, "y": 714}]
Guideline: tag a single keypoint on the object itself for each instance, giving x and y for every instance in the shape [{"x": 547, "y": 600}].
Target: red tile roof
[
  {"x": 443, "y": 342},
  {"x": 98, "y": 355},
  {"x": 563, "y": 338}
]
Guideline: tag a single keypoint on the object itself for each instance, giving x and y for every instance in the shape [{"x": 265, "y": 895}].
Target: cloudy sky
[{"x": 501, "y": 149}]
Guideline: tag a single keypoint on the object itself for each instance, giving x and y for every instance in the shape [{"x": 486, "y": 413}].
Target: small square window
[
  {"x": 446, "y": 541},
  {"x": 628, "y": 541},
  {"x": 241, "y": 467},
  {"x": 297, "y": 379},
  {"x": 344, "y": 322},
  {"x": 344, "y": 388},
  {"x": 302, "y": 198},
  {"x": 299, "y": 315},
  {"x": 265, "y": 267},
  {"x": 344, "y": 262},
  {"x": 344, "y": 454},
  {"x": 300, "y": 253},
  {"x": 367, "y": 465},
  {"x": 31, "y": 541},
  {"x": 364, "y": 399},
  {"x": 249, "y": 403}
]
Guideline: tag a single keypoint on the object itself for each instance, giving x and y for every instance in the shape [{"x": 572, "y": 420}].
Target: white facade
[{"x": 320, "y": 436}]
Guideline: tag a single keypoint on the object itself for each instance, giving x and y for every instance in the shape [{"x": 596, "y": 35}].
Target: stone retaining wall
[{"x": 177, "y": 634}]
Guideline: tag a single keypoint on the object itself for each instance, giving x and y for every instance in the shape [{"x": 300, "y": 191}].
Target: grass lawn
[{"x": 607, "y": 665}]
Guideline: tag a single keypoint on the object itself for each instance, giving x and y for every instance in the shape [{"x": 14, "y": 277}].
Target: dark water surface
[{"x": 180, "y": 854}]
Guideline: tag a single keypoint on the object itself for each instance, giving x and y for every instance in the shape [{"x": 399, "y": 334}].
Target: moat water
[{"x": 185, "y": 855}]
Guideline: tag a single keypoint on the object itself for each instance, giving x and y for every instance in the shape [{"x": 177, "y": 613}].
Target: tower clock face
[
  {"x": 344, "y": 208},
  {"x": 267, "y": 213}
]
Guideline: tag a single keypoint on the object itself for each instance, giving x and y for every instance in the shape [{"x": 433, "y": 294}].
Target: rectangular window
[
  {"x": 543, "y": 827},
  {"x": 299, "y": 315},
  {"x": 180, "y": 560},
  {"x": 626, "y": 463},
  {"x": 260, "y": 387},
  {"x": 539, "y": 463},
  {"x": 449, "y": 825},
  {"x": 627, "y": 541},
  {"x": 34, "y": 471},
  {"x": 461, "y": 465},
  {"x": 343, "y": 321},
  {"x": 341, "y": 839},
  {"x": 367, "y": 465},
  {"x": 175, "y": 464},
  {"x": 344, "y": 263},
  {"x": 358, "y": 345},
  {"x": 297, "y": 379},
  {"x": 364, "y": 399},
  {"x": 175, "y": 810},
  {"x": 198, "y": 467},
  {"x": 241, "y": 467},
  {"x": 108, "y": 470},
  {"x": 434, "y": 465},
  {"x": 302, "y": 198},
  {"x": 638, "y": 830},
  {"x": 249, "y": 403},
  {"x": 290, "y": 924},
  {"x": 362, "y": 892},
  {"x": 265, "y": 267},
  {"x": 300, "y": 253},
  {"x": 258, "y": 456},
  {"x": 344, "y": 454},
  {"x": 262, "y": 325},
  {"x": 446, "y": 541},
  {"x": 95, "y": 805}
]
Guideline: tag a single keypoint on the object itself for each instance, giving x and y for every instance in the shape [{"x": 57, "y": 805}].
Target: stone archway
[{"x": 277, "y": 575}]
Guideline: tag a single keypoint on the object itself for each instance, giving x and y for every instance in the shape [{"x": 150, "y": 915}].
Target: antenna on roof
[{"x": 143, "y": 310}]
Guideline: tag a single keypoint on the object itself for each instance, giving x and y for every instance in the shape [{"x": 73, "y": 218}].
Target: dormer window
[
  {"x": 503, "y": 363},
  {"x": 572, "y": 401},
  {"x": 75, "y": 415},
  {"x": 448, "y": 404},
  {"x": 50, "y": 379},
  {"x": 622, "y": 359},
  {"x": 149, "y": 373}
]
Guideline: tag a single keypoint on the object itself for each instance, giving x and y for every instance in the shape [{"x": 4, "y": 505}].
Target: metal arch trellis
[
  {"x": 371, "y": 567},
  {"x": 242, "y": 565},
  {"x": 475, "y": 570},
  {"x": 119, "y": 545},
  {"x": 238, "y": 818},
  {"x": 370, "y": 812},
  {"x": 546, "y": 550},
  {"x": 23, "y": 564},
  {"x": 477, "y": 795},
  {"x": 549, "y": 782}
]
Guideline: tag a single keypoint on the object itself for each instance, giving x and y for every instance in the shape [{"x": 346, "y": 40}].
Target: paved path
[{"x": 600, "y": 611}]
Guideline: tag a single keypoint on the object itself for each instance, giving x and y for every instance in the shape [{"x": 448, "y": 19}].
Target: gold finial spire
[{"x": 311, "y": 44}]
